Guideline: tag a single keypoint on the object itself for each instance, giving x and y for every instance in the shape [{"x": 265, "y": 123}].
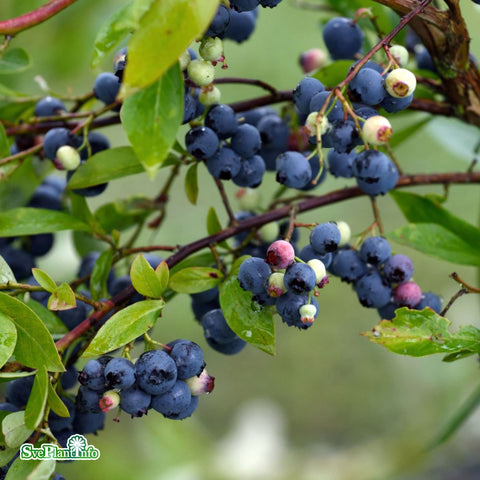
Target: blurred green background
[{"x": 329, "y": 405}]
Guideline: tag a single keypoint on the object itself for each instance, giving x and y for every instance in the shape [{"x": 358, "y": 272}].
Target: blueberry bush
[{"x": 72, "y": 351}]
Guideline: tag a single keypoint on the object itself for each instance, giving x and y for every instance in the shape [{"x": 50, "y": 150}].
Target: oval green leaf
[
  {"x": 62, "y": 298},
  {"x": 125, "y": 326},
  {"x": 37, "y": 400},
  {"x": 6, "y": 274},
  {"x": 54, "y": 325},
  {"x": 35, "y": 347},
  {"x": 14, "y": 429},
  {"x": 195, "y": 279},
  {"x": 8, "y": 339},
  {"x": 152, "y": 116},
  {"x": 99, "y": 276},
  {"x": 44, "y": 280},
  {"x": 253, "y": 324},
  {"x": 105, "y": 166},
  {"x": 191, "y": 183},
  {"x": 55, "y": 402},
  {"x": 14, "y": 60},
  {"x": 144, "y": 279}
]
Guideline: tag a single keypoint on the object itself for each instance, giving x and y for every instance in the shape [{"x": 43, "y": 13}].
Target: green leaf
[
  {"x": 144, "y": 278},
  {"x": 81, "y": 210},
  {"x": 6, "y": 274},
  {"x": 195, "y": 279},
  {"x": 14, "y": 429},
  {"x": 163, "y": 274},
  {"x": 44, "y": 280},
  {"x": 333, "y": 74},
  {"x": 9, "y": 376},
  {"x": 411, "y": 129},
  {"x": 99, "y": 276},
  {"x": 165, "y": 32},
  {"x": 8, "y": 338},
  {"x": 419, "y": 333},
  {"x": 419, "y": 209},
  {"x": 123, "y": 213},
  {"x": 14, "y": 60},
  {"x": 85, "y": 243},
  {"x": 436, "y": 241},
  {"x": 191, "y": 183},
  {"x": 254, "y": 325},
  {"x": 35, "y": 347},
  {"x": 4, "y": 145},
  {"x": 62, "y": 298},
  {"x": 37, "y": 400},
  {"x": 151, "y": 118},
  {"x": 54, "y": 325},
  {"x": 105, "y": 166},
  {"x": 55, "y": 402},
  {"x": 214, "y": 225},
  {"x": 117, "y": 27},
  {"x": 125, "y": 326},
  {"x": 31, "y": 469},
  {"x": 30, "y": 221},
  {"x": 6, "y": 454},
  {"x": 458, "y": 418}
]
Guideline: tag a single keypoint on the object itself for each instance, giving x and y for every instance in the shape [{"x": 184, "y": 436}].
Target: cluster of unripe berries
[{"x": 20, "y": 253}]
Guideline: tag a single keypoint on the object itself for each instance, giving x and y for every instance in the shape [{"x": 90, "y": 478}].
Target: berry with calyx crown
[
  {"x": 276, "y": 286},
  {"x": 377, "y": 130},
  {"x": 400, "y": 54},
  {"x": 280, "y": 254},
  {"x": 400, "y": 83}
]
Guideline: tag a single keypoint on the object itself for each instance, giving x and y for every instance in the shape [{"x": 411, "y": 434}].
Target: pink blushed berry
[
  {"x": 280, "y": 254},
  {"x": 407, "y": 294},
  {"x": 109, "y": 401}
]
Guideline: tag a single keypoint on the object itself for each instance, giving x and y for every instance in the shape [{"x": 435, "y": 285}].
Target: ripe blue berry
[
  {"x": 87, "y": 400},
  {"x": 92, "y": 376},
  {"x": 343, "y": 38},
  {"x": 372, "y": 290},
  {"x": 56, "y": 138},
  {"x": 222, "y": 120},
  {"x": 156, "y": 372},
  {"x": 241, "y": 26},
  {"x": 135, "y": 401},
  {"x": 304, "y": 91},
  {"x": 348, "y": 265},
  {"x": 368, "y": 84},
  {"x": 219, "y": 335},
  {"x": 430, "y": 300},
  {"x": 288, "y": 307},
  {"x": 398, "y": 268},
  {"x": 119, "y": 373},
  {"x": 86, "y": 422},
  {"x": 344, "y": 135},
  {"x": 173, "y": 402},
  {"x": 246, "y": 140},
  {"x": 375, "y": 250},
  {"x": 274, "y": 132},
  {"x": 293, "y": 170},
  {"x": 340, "y": 164},
  {"x": 219, "y": 23},
  {"x": 188, "y": 358},
  {"x": 201, "y": 142},
  {"x": 325, "y": 238},
  {"x": 334, "y": 113},
  {"x": 18, "y": 391},
  {"x": 299, "y": 278},
  {"x": 224, "y": 164},
  {"x": 253, "y": 274},
  {"x": 49, "y": 106},
  {"x": 308, "y": 253},
  {"x": 106, "y": 87},
  {"x": 251, "y": 172},
  {"x": 375, "y": 173}
]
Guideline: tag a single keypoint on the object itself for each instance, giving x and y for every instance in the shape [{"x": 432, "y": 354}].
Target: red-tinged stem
[{"x": 30, "y": 19}]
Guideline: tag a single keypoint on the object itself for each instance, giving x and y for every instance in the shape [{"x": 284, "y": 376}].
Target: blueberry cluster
[
  {"x": 168, "y": 380},
  {"x": 20, "y": 253}
]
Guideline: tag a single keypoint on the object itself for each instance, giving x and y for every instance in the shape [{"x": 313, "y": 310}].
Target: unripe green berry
[
  {"x": 345, "y": 232},
  {"x": 269, "y": 232},
  {"x": 400, "y": 83},
  {"x": 211, "y": 49},
  {"x": 377, "y": 130},
  {"x": 276, "y": 287},
  {"x": 201, "y": 384},
  {"x": 68, "y": 157},
  {"x": 248, "y": 198},
  {"x": 319, "y": 269},
  {"x": 400, "y": 54},
  {"x": 200, "y": 72},
  {"x": 210, "y": 95},
  {"x": 184, "y": 59},
  {"x": 307, "y": 313},
  {"x": 311, "y": 124},
  {"x": 109, "y": 401}
]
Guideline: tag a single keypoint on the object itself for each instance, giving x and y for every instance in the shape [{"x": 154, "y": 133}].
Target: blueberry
[
  {"x": 188, "y": 358},
  {"x": 253, "y": 117},
  {"x": 344, "y": 136},
  {"x": 69, "y": 378},
  {"x": 201, "y": 142},
  {"x": 288, "y": 307},
  {"x": 251, "y": 172},
  {"x": 368, "y": 84},
  {"x": 304, "y": 92},
  {"x": 394, "y": 105},
  {"x": 176, "y": 400},
  {"x": 49, "y": 106},
  {"x": 274, "y": 132},
  {"x": 156, "y": 372},
  {"x": 253, "y": 274},
  {"x": 348, "y": 265},
  {"x": 219, "y": 335},
  {"x": 58, "y": 423},
  {"x": 206, "y": 296},
  {"x": 325, "y": 238},
  {"x": 225, "y": 164},
  {"x": 86, "y": 266},
  {"x": 19, "y": 261},
  {"x": 364, "y": 111},
  {"x": 246, "y": 140},
  {"x": 375, "y": 172},
  {"x": 74, "y": 316},
  {"x": 186, "y": 412},
  {"x": 343, "y": 38},
  {"x": 299, "y": 278},
  {"x": 57, "y": 137},
  {"x": 241, "y": 26},
  {"x": 97, "y": 142},
  {"x": 135, "y": 401},
  {"x": 375, "y": 250},
  {"x": 8, "y": 407},
  {"x": 93, "y": 374},
  {"x": 334, "y": 113},
  {"x": 387, "y": 312},
  {"x": 372, "y": 290},
  {"x": 222, "y": 120},
  {"x": 293, "y": 170},
  {"x": 244, "y": 5},
  {"x": 18, "y": 391},
  {"x": 39, "y": 245},
  {"x": 119, "y": 373},
  {"x": 87, "y": 400},
  {"x": 46, "y": 197},
  {"x": 219, "y": 23},
  {"x": 430, "y": 300},
  {"x": 87, "y": 422},
  {"x": 308, "y": 253},
  {"x": 315, "y": 166},
  {"x": 199, "y": 308},
  {"x": 398, "y": 268},
  {"x": 106, "y": 87},
  {"x": 340, "y": 164}
]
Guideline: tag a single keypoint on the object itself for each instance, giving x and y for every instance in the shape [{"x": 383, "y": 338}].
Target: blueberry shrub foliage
[{"x": 245, "y": 276}]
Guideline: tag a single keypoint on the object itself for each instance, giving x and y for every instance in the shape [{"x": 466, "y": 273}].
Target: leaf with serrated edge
[
  {"x": 62, "y": 298},
  {"x": 37, "y": 400},
  {"x": 35, "y": 347},
  {"x": 144, "y": 278},
  {"x": 44, "y": 280},
  {"x": 8, "y": 338},
  {"x": 418, "y": 333},
  {"x": 255, "y": 326},
  {"x": 125, "y": 326},
  {"x": 195, "y": 279},
  {"x": 151, "y": 118},
  {"x": 14, "y": 429}
]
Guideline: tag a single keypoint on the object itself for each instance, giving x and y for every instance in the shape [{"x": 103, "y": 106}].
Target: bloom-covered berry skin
[
  {"x": 106, "y": 87},
  {"x": 246, "y": 140},
  {"x": 372, "y": 290},
  {"x": 135, "y": 401},
  {"x": 368, "y": 84},
  {"x": 156, "y": 372},
  {"x": 348, "y": 265},
  {"x": 293, "y": 170},
  {"x": 288, "y": 307},
  {"x": 49, "y": 106},
  {"x": 407, "y": 294},
  {"x": 87, "y": 400},
  {"x": 225, "y": 164},
  {"x": 304, "y": 91},
  {"x": 201, "y": 142},
  {"x": 119, "y": 373},
  {"x": 188, "y": 358},
  {"x": 222, "y": 120},
  {"x": 325, "y": 238},
  {"x": 375, "y": 250},
  {"x": 299, "y": 278},
  {"x": 174, "y": 401},
  {"x": 219, "y": 335},
  {"x": 343, "y": 38},
  {"x": 280, "y": 254},
  {"x": 253, "y": 274},
  {"x": 430, "y": 300},
  {"x": 398, "y": 268},
  {"x": 93, "y": 374}
]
